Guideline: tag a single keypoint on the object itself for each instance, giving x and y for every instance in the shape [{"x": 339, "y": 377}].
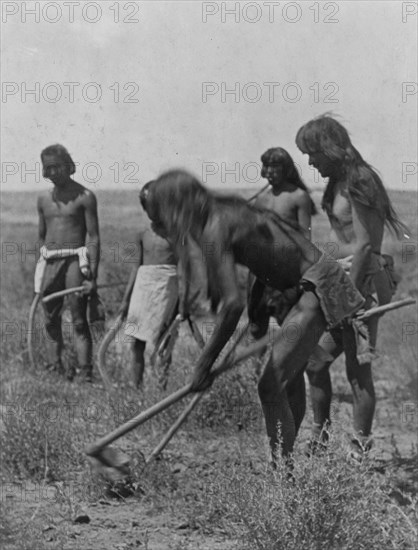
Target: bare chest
[
  {"x": 63, "y": 210},
  {"x": 341, "y": 215},
  {"x": 284, "y": 205}
]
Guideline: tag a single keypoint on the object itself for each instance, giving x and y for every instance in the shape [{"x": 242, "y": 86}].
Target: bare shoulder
[
  {"x": 44, "y": 198},
  {"x": 88, "y": 198},
  {"x": 302, "y": 197}
]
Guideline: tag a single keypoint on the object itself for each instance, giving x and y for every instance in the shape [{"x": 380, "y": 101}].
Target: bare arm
[
  {"x": 304, "y": 209},
  {"x": 366, "y": 222},
  {"x": 222, "y": 273},
  {"x": 191, "y": 275},
  {"x": 93, "y": 236},
  {"x": 41, "y": 223}
]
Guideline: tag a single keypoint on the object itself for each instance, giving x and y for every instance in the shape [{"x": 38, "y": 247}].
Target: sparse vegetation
[{"x": 213, "y": 484}]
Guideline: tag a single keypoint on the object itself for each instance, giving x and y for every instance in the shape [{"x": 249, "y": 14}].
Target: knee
[{"x": 269, "y": 388}]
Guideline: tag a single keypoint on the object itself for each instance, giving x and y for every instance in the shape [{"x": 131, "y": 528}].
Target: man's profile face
[
  {"x": 55, "y": 169},
  {"x": 322, "y": 163}
]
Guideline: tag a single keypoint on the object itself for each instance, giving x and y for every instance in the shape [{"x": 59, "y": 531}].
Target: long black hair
[
  {"x": 327, "y": 135},
  {"x": 277, "y": 156}
]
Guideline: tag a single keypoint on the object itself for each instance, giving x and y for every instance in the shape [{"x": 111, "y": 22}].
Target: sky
[{"x": 135, "y": 88}]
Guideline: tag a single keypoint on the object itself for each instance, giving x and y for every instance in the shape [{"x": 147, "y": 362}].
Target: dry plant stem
[{"x": 45, "y": 478}]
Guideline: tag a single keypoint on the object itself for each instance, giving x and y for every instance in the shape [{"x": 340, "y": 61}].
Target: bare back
[
  {"x": 277, "y": 253},
  {"x": 155, "y": 249}
]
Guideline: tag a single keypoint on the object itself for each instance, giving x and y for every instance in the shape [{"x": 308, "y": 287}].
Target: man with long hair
[
  {"x": 288, "y": 195},
  {"x": 358, "y": 208},
  {"x": 229, "y": 231}
]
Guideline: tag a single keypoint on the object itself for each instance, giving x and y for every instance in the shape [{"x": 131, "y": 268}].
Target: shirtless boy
[
  {"x": 67, "y": 220},
  {"x": 289, "y": 197},
  {"x": 151, "y": 294},
  {"x": 275, "y": 252},
  {"x": 358, "y": 208}
]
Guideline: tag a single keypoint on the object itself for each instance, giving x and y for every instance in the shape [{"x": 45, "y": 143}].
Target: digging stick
[
  {"x": 189, "y": 408},
  {"x": 73, "y": 290},
  {"x": 96, "y": 448},
  {"x": 386, "y": 307}
]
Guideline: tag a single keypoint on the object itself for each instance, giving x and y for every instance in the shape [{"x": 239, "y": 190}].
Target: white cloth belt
[{"x": 45, "y": 255}]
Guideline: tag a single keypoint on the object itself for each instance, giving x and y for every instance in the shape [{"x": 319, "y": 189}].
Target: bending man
[{"x": 229, "y": 231}]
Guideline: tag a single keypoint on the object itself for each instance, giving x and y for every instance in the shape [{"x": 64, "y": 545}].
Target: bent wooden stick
[
  {"x": 386, "y": 307},
  {"x": 68, "y": 291},
  {"x": 226, "y": 364},
  {"x": 31, "y": 336},
  {"x": 189, "y": 408},
  {"x": 101, "y": 362},
  {"x": 173, "y": 429},
  {"x": 258, "y": 193}
]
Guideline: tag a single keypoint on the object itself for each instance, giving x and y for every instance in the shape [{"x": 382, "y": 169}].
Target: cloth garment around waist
[
  {"x": 153, "y": 300},
  {"x": 49, "y": 255},
  {"x": 337, "y": 295}
]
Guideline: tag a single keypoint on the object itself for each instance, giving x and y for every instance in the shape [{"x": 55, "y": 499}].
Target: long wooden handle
[
  {"x": 31, "y": 329},
  {"x": 387, "y": 307},
  {"x": 67, "y": 291},
  {"x": 128, "y": 426},
  {"x": 173, "y": 429},
  {"x": 189, "y": 408}
]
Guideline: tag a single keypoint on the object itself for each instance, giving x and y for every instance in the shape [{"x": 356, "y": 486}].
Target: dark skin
[
  {"x": 278, "y": 258},
  {"x": 286, "y": 199},
  {"x": 293, "y": 204},
  {"x": 357, "y": 232},
  {"x": 152, "y": 250},
  {"x": 68, "y": 219}
]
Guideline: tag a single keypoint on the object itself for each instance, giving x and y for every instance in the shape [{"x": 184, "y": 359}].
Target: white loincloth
[
  {"x": 45, "y": 255},
  {"x": 152, "y": 303}
]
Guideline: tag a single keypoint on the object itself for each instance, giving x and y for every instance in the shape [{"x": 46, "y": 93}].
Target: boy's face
[
  {"x": 55, "y": 169},
  {"x": 274, "y": 174}
]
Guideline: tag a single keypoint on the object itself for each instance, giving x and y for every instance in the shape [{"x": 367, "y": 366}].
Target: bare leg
[
  {"x": 138, "y": 362},
  {"x": 82, "y": 335},
  {"x": 300, "y": 333},
  {"x": 54, "y": 280},
  {"x": 361, "y": 381},
  {"x": 296, "y": 394},
  {"x": 54, "y": 340},
  {"x": 320, "y": 382}
]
